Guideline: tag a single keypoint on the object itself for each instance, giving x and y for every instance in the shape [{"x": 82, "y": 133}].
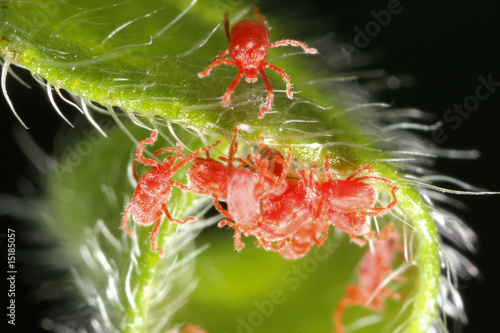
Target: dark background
[{"x": 443, "y": 45}]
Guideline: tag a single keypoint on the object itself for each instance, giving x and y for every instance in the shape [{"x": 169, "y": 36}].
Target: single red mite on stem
[
  {"x": 248, "y": 48},
  {"x": 155, "y": 187}
]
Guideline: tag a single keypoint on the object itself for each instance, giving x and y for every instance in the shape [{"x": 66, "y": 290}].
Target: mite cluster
[{"x": 287, "y": 210}]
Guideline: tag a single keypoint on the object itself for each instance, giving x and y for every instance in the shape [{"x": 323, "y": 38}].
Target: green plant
[{"x": 141, "y": 59}]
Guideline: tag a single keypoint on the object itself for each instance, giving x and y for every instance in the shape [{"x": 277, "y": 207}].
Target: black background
[{"x": 443, "y": 45}]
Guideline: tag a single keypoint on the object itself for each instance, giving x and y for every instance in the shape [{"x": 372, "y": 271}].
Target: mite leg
[
  {"x": 125, "y": 220},
  {"x": 230, "y": 89},
  {"x": 140, "y": 148},
  {"x": 214, "y": 64},
  {"x": 289, "y": 42},
  {"x": 170, "y": 218},
  {"x": 284, "y": 76},
  {"x": 270, "y": 93},
  {"x": 256, "y": 13},
  {"x": 153, "y": 237}
]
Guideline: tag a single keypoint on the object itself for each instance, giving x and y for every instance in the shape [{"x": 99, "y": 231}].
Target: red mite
[
  {"x": 231, "y": 183},
  {"x": 286, "y": 202},
  {"x": 247, "y": 192},
  {"x": 295, "y": 209},
  {"x": 248, "y": 48},
  {"x": 346, "y": 203},
  {"x": 210, "y": 177},
  {"x": 155, "y": 187},
  {"x": 374, "y": 268},
  {"x": 243, "y": 185}
]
